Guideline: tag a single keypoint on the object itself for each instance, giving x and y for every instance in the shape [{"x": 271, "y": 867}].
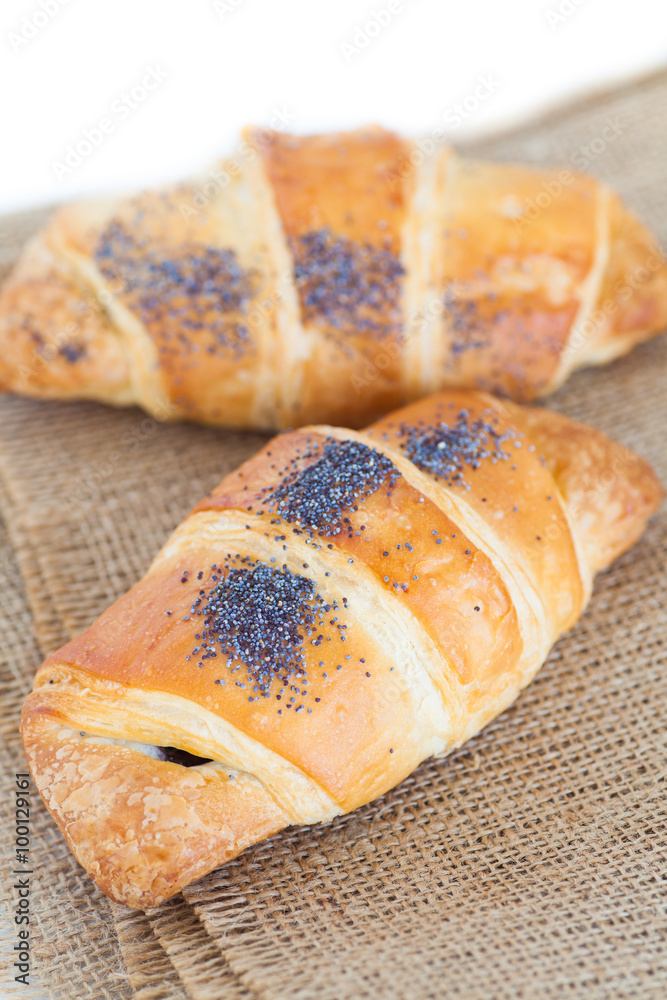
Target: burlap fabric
[
  {"x": 530, "y": 864},
  {"x": 75, "y": 949}
]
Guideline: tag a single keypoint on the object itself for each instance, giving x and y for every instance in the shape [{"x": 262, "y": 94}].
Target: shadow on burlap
[{"x": 530, "y": 863}]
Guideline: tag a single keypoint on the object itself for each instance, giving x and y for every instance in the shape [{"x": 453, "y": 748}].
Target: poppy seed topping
[
  {"x": 446, "y": 451},
  {"x": 345, "y": 474},
  {"x": 191, "y": 298},
  {"x": 354, "y": 287},
  {"x": 260, "y": 618}
]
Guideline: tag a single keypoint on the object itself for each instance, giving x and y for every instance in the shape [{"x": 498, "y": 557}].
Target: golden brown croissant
[
  {"x": 330, "y": 278},
  {"x": 342, "y": 607}
]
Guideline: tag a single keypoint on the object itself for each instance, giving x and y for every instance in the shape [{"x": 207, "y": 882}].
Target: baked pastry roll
[
  {"x": 329, "y": 278},
  {"x": 342, "y": 607}
]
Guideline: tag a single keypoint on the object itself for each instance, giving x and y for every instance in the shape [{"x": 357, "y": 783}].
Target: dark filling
[{"x": 175, "y": 756}]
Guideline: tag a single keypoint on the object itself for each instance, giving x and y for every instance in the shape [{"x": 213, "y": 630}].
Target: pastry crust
[
  {"x": 330, "y": 279},
  {"x": 342, "y": 607}
]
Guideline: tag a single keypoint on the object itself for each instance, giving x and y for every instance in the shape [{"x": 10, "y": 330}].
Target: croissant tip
[{"x": 634, "y": 292}]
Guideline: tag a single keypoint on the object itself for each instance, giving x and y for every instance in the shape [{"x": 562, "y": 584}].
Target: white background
[{"x": 315, "y": 61}]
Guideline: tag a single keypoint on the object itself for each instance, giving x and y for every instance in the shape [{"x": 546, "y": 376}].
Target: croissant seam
[
  {"x": 481, "y": 534},
  {"x": 128, "y": 721},
  {"x": 430, "y": 675}
]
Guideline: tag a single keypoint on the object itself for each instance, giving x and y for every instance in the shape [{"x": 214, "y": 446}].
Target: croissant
[
  {"x": 342, "y": 607},
  {"x": 330, "y": 278}
]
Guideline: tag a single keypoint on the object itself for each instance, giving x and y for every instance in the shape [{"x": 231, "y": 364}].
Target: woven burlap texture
[
  {"x": 75, "y": 952},
  {"x": 531, "y": 863}
]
